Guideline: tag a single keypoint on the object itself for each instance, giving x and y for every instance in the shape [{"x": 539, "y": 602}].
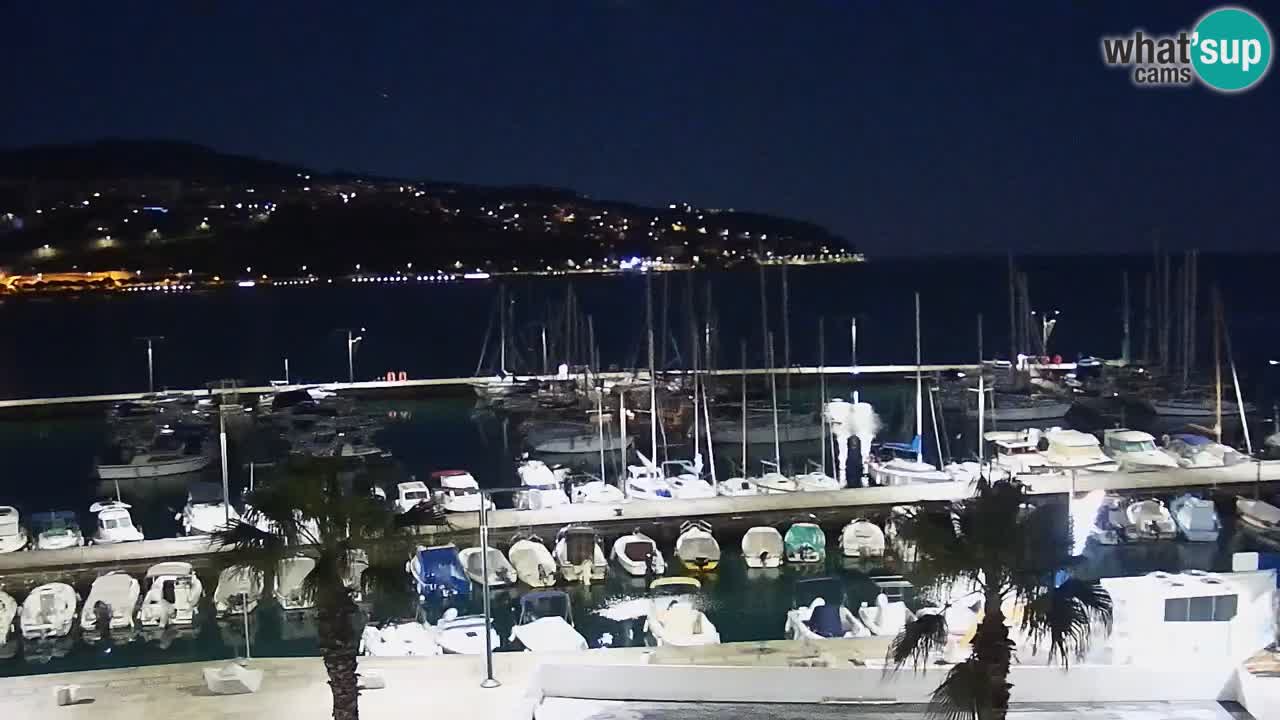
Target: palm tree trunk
[
  {"x": 992, "y": 652},
  {"x": 338, "y": 647}
]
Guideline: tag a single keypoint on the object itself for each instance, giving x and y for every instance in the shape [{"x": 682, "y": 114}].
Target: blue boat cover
[
  {"x": 442, "y": 573},
  {"x": 912, "y": 447},
  {"x": 1190, "y": 439},
  {"x": 825, "y": 621}
]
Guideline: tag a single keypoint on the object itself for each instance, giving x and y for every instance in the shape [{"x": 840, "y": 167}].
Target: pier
[{"x": 659, "y": 518}]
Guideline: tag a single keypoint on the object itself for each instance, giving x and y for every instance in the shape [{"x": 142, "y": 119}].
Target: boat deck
[{"x": 659, "y": 518}]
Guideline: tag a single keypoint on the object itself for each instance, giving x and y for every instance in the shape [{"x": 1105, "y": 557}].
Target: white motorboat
[
  {"x": 8, "y": 617},
  {"x": 638, "y": 555},
  {"x": 166, "y": 455},
  {"x": 1135, "y": 450},
  {"x": 111, "y": 608},
  {"x": 533, "y": 563},
  {"x": 674, "y": 618},
  {"x": 1075, "y": 450},
  {"x": 12, "y": 535},
  {"x": 1197, "y": 518},
  {"x": 546, "y": 624},
  {"x": 205, "y": 511},
  {"x": 173, "y": 596},
  {"x": 737, "y": 487},
  {"x": 805, "y": 543},
  {"x": 459, "y": 492},
  {"x": 1149, "y": 520},
  {"x": 592, "y": 490},
  {"x": 579, "y": 556},
  {"x": 1260, "y": 518},
  {"x": 49, "y": 611},
  {"x": 437, "y": 573},
  {"x": 114, "y": 523},
  {"x": 1109, "y": 520},
  {"x": 1021, "y": 408},
  {"x": 647, "y": 483},
  {"x": 762, "y": 547},
  {"x": 816, "y": 481},
  {"x": 239, "y": 590},
  {"x": 1197, "y": 451},
  {"x": 290, "y": 589},
  {"x": 862, "y": 539},
  {"x": 686, "y": 479},
  {"x": 905, "y": 471},
  {"x": 885, "y": 617},
  {"x": 501, "y": 572},
  {"x": 818, "y": 612},
  {"x": 411, "y": 494},
  {"x": 1017, "y": 452},
  {"x": 772, "y": 482},
  {"x": 464, "y": 635},
  {"x": 543, "y": 488},
  {"x": 56, "y": 530},
  {"x": 696, "y": 548},
  {"x": 407, "y": 639}
]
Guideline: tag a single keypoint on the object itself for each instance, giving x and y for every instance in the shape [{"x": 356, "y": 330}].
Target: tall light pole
[
  {"x": 489, "y": 680},
  {"x": 352, "y": 341},
  {"x": 151, "y": 375}
]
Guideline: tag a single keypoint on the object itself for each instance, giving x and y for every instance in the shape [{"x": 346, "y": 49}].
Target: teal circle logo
[{"x": 1231, "y": 49}]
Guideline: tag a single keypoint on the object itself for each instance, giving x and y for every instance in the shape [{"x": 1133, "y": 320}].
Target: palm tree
[
  {"x": 309, "y": 509},
  {"x": 1005, "y": 549}
]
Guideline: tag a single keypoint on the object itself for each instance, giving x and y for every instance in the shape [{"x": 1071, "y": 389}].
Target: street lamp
[
  {"x": 352, "y": 341},
  {"x": 489, "y": 680},
  {"x": 151, "y": 376}
]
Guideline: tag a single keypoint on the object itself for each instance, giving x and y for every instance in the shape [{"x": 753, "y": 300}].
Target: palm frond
[
  {"x": 1064, "y": 618},
  {"x": 917, "y": 641},
  {"x": 963, "y": 695},
  {"x": 249, "y": 547}
]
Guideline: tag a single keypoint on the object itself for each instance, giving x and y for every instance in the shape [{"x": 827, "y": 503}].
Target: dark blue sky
[{"x": 905, "y": 126}]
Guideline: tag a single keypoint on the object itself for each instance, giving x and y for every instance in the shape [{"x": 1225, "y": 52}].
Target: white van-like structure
[{"x": 1191, "y": 618}]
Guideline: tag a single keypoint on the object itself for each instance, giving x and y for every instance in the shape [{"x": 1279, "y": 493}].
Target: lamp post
[
  {"x": 489, "y": 680},
  {"x": 352, "y": 341},
  {"x": 151, "y": 375}
]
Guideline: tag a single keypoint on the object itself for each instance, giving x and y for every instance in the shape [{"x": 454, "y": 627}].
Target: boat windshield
[
  {"x": 1134, "y": 446},
  {"x": 461, "y": 492},
  {"x": 544, "y": 604},
  {"x": 112, "y": 523},
  {"x": 415, "y": 495}
]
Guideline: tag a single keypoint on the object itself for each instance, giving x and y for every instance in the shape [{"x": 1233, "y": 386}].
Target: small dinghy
[
  {"x": 172, "y": 600},
  {"x": 1149, "y": 520},
  {"x": 816, "y": 481},
  {"x": 697, "y": 548},
  {"x": 464, "y": 635},
  {"x": 805, "y": 543},
  {"x": 111, "y": 608},
  {"x": 8, "y": 637},
  {"x": 239, "y": 590},
  {"x": 49, "y": 611},
  {"x": 115, "y": 524},
  {"x": 886, "y": 617},
  {"x": 638, "y": 555},
  {"x": 737, "y": 487},
  {"x": 674, "y": 618},
  {"x": 532, "y": 562},
  {"x": 543, "y": 488},
  {"x": 408, "y": 639},
  {"x": 438, "y": 573},
  {"x": 862, "y": 539},
  {"x": 56, "y": 530},
  {"x": 762, "y": 547},
  {"x": 291, "y": 584},
  {"x": 1260, "y": 518},
  {"x": 591, "y": 490},
  {"x": 818, "y": 612},
  {"x": 500, "y": 571},
  {"x": 546, "y": 624},
  {"x": 579, "y": 556},
  {"x": 1197, "y": 518}
]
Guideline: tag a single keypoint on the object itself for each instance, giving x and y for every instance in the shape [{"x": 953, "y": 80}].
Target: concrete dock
[{"x": 660, "y": 518}]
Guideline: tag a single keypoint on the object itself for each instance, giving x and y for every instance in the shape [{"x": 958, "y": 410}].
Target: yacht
[
  {"x": 1197, "y": 451},
  {"x": 543, "y": 488},
  {"x": 49, "y": 611},
  {"x": 111, "y": 608},
  {"x": 1194, "y": 405},
  {"x": 805, "y": 543},
  {"x": 500, "y": 571},
  {"x": 818, "y": 612},
  {"x": 56, "y": 530},
  {"x": 1010, "y": 407},
  {"x": 587, "y": 488},
  {"x": 114, "y": 523},
  {"x": 532, "y": 561},
  {"x": 1135, "y": 450},
  {"x": 762, "y": 547},
  {"x": 886, "y": 617},
  {"x": 458, "y": 491},
  {"x": 1075, "y": 450},
  {"x": 173, "y": 598},
  {"x": 1017, "y": 452},
  {"x": 546, "y": 624},
  {"x": 696, "y": 547},
  {"x": 166, "y": 454},
  {"x": 238, "y": 592},
  {"x": 569, "y": 438},
  {"x": 291, "y": 590},
  {"x": 464, "y": 634},
  {"x": 579, "y": 556},
  {"x": 862, "y": 539},
  {"x": 896, "y": 464},
  {"x": 1149, "y": 520},
  {"x": 686, "y": 479},
  {"x": 638, "y": 555},
  {"x": 12, "y": 535},
  {"x": 792, "y": 427},
  {"x": 437, "y": 573},
  {"x": 674, "y": 618},
  {"x": 205, "y": 511},
  {"x": 1197, "y": 518},
  {"x": 1260, "y": 518},
  {"x": 411, "y": 494},
  {"x": 647, "y": 483}
]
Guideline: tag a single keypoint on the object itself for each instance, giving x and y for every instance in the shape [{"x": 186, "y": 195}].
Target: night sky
[{"x": 904, "y": 126}]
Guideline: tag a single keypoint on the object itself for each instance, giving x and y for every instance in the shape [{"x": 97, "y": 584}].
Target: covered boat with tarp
[
  {"x": 805, "y": 543},
  {"x": 438, "y": 573}
]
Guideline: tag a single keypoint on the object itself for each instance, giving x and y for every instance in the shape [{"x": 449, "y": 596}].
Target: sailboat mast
[
  {"x": 1217, "y": 365},
  {"x": 786, "y": 333},
  {"x": 502, "y": 324},
  {"x": 773, "y": 391},
  {"x": 744, "y": 408},
  {"x": 1235, "y": 383},
  {"x": 982, "y": 394},
  {"x": 693, "y": 353},
  {"x": 919, "y": 390},
  {"x": 853, "y": 353},
  {"x": 622, "y": 440},
  {"x": 653, "y": 376},
  {"x": 822, "y": 394},
  {"x": 600, "y": 422},
  {"x": 1124, "y": 343}
]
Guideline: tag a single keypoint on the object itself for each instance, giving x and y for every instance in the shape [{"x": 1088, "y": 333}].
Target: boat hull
[{"x": 187, "y": 464}]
